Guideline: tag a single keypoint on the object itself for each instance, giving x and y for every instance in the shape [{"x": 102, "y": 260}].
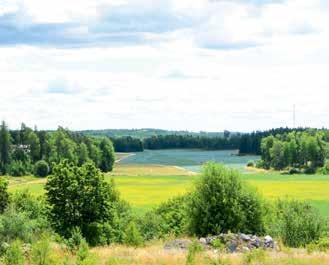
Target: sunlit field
[{"x": 146, "y": 186}]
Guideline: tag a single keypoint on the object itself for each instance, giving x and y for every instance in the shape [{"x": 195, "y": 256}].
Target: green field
[{"x": 145, "y": 186}]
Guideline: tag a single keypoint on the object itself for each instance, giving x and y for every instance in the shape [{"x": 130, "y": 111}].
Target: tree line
[
  {"x": 21, "y": 150},
  {"x": 307, "y": 150},
  {"x": 250, "y": 143}
]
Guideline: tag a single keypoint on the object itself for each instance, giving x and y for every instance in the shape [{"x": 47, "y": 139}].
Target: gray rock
[{"x": 245, "y": 237}]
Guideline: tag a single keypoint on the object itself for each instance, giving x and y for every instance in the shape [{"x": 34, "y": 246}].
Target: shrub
[
  {"x": 169, "y": 218},
  {"x": 261, "y": 164},
  {"x": 220, "y": 202},
  {"x": 89, "y": 200},
  {"x": 250, "y": 164},
  {"x": 297, "y": 223},
  {"x": 41, "y": 169},
  {"x": 24, "y": 218},
  {"x": 14, "y": 254},
  {"x": 18, "y": 168},
  {"x": 4, "y": 196},
  {"x": 133, "y": 236},
  {"x": 321, "y": 245},
  {"x": 41, "y": 251}
]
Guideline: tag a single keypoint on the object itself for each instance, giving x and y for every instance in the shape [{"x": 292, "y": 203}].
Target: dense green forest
[
  {"x": 147, "y": 132},
  {"x": 23, "y": 151},
  {"x": 300, "y": 150},
  {"x": 189, "y": 141},
  {"x": 250, "y": 142}
]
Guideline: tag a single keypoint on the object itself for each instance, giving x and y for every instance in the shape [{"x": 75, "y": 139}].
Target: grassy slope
[{"x": 147, "y": 186}]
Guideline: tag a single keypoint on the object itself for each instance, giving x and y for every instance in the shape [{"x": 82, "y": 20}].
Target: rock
[
  {"x": 178, "y": 244},
  {"x": 203, "y": 241},
  {"x": 268, "y": 242},
  {"x": 245, "y": 237}
]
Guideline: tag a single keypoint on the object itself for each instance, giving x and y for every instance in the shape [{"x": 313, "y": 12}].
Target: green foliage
[
  {"x": 41, "y": 169},
  {"x": 304, "y": 150},
  {"x": 4, "y": 196},
  {"x": 41, "y": 252},
  {"x": 250, "y": 164},
  {"x": 90, "y": 201},
  {"x": 4, "y": 147},
  {"x": 18, "y": 168},
  {"x": 193, "y": 249},
  {"x": 132, "y": 235},
  {"x": 296, "y": 223},
  {"x": 23, "y": 219},
  {"x": 75, "y": 240},
  {"x": 321, "y": 245},
  {"x": 220, "y": 202},
  {"x": 169, "y": 218},
  {"x": 14, "y": 254},
  {"x": 107, "y": 155}
]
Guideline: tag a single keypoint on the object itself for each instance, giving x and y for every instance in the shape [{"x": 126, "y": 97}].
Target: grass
[
  {"x": 155, "y": 254},
  {"x": 145, "y": 186}
]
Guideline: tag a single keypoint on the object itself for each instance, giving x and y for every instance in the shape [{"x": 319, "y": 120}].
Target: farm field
[{"x": 145, "y": 186}]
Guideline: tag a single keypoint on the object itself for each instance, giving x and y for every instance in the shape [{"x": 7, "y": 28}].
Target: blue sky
[{"x": 188, "y": 64}]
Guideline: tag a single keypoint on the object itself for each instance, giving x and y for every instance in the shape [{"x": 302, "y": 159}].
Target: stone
[{"x": 178, "y": 244}]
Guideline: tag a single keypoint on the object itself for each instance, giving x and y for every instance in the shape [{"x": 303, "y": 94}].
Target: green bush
[
  {"x": 321, "y": 245},
  {"x": 18, "y": 168},
  {"x": 41, "y": 169},
  {"x": 296, "y": 223},
  {"x": 24, "y": 218},
  {"x": 220, "y": 202},
  {"x": 133, "y": 236},
  {"x": 92, "y": 204},
  {"x": 169, "y": 218},
  {"x": 250, "y": 164},
  {"x": 41, "y": 252},
  {"x": 14, "y": 254}
]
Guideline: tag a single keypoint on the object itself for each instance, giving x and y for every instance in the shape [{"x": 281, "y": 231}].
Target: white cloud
[{"x": 232, "y": 65}]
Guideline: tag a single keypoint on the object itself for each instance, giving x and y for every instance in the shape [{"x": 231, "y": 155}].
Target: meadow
[{"x": 145, "y": 186}]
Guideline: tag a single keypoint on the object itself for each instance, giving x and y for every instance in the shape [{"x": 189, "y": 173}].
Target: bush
[
  {"x": 296, "y": 223},
  {"x": 321, "y": 245},
  {"x": 250, "y": 164},
  {"x": 14, "y": 254},
  {"x": 91, "y": 202},
  {"x": 41, "y": 169},
  {"x": 24, "y": 218},
  {"x": 41, "y": 252},
  {"x": 170, "y": 218},
  {"x": 133, "y": 236},
  {"x": 19, "y": 168},
  {"x": 261, "y": 164},
  {"x": 220, "y": 203}
]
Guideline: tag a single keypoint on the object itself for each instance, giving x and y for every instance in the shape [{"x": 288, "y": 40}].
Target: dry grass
[{"x": 157, "y": 255}]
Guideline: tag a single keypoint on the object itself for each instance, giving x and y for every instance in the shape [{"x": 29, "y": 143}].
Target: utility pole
[{"x": 294, "y": 116}]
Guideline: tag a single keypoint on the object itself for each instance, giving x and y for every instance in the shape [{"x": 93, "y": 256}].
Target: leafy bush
[
  {"x": 24, "y": 218},
  {"x": 41, "y": 252},
  {"x": 220, "y": 202},
  {"x": 133, "y": 236},
  {"x": 321, "y": 245},
  {"x": 92, "y": 204},
  {"x": 260, "y": 164},
  {"x": 14, "y": 254},
  {"x": 250, "y": 164},
  {"x": 18, "y": 168},
  {"x": 296, "y": 223},
  {"x": 169, "y": 218},
  {"x": 41, "y": 169},
  {"x": 4, "y": 196}
]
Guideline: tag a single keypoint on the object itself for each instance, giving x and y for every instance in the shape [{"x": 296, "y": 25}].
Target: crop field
[{"x": 145, "y": 186}]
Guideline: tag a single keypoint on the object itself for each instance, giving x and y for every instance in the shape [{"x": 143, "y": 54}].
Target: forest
[{"x": 24, "y": 151}]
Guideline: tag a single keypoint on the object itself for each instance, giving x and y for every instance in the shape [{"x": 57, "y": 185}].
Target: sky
[{"x": 198, "y": 65}]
